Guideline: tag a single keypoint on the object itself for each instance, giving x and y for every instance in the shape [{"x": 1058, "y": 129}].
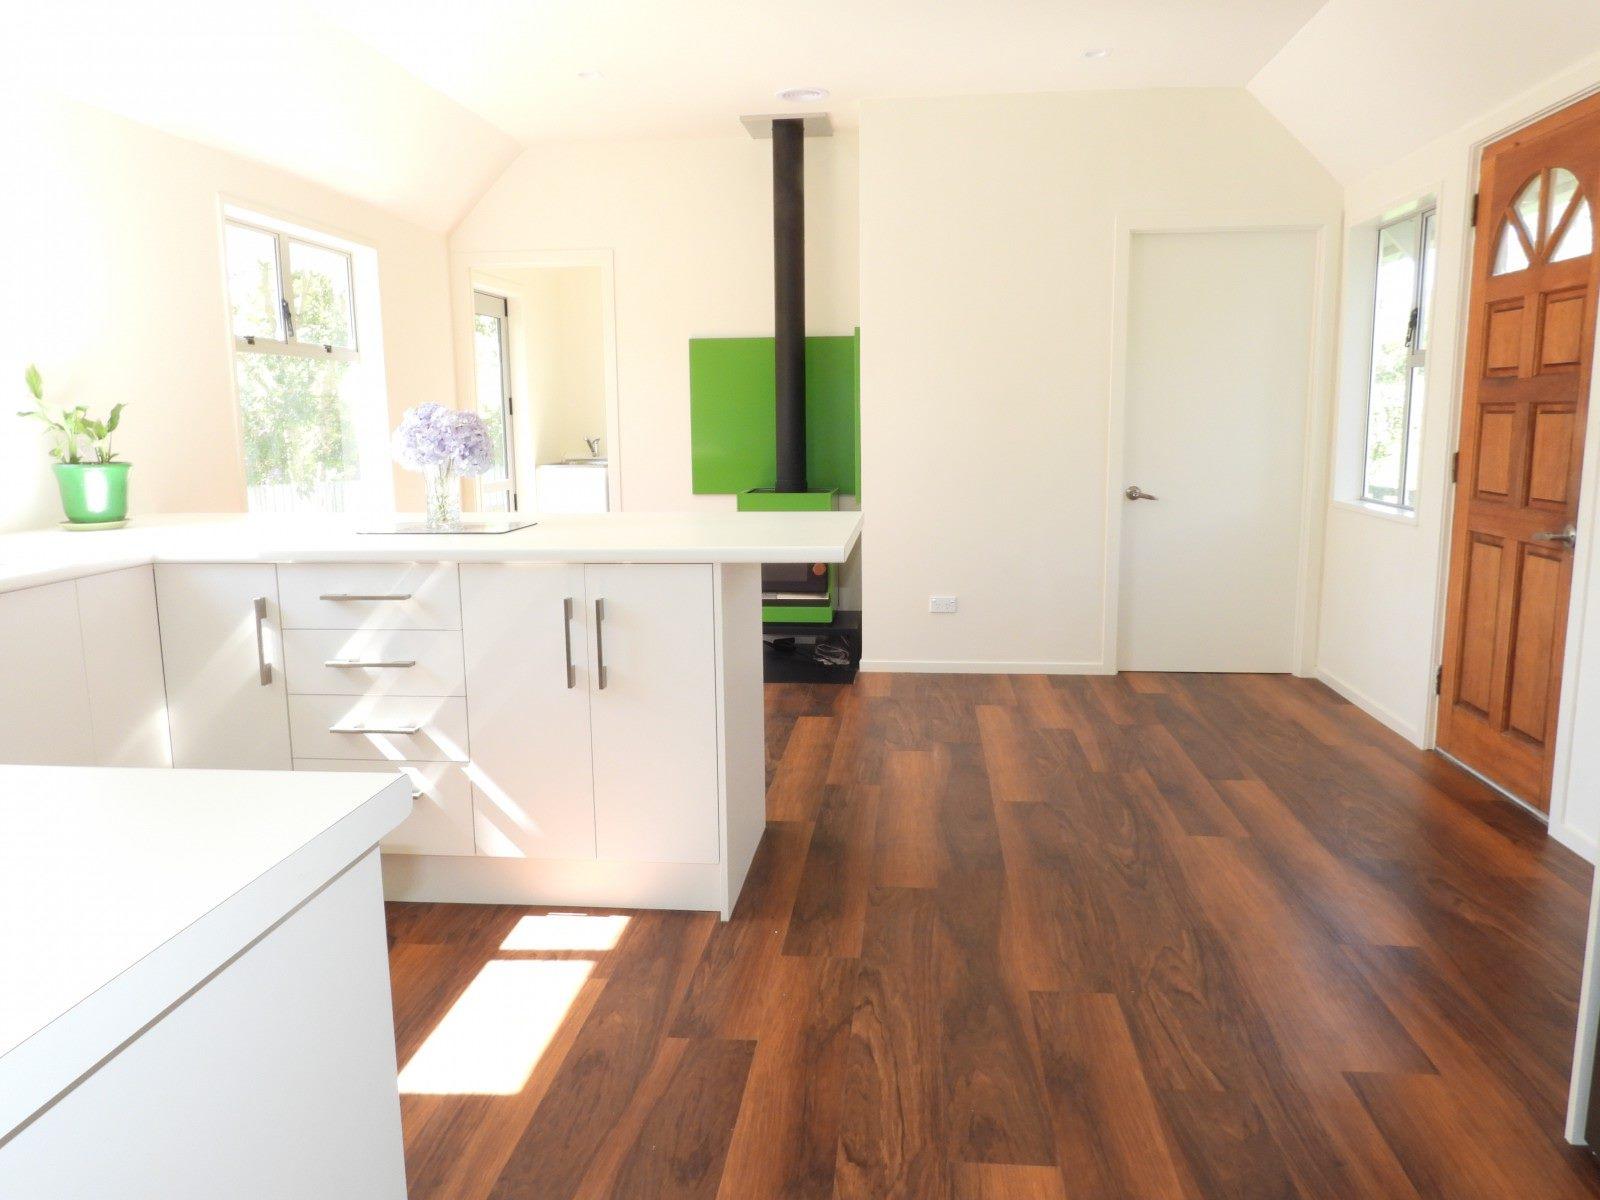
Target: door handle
[
  {"x": 599, "y": 644},
  {"x": 1567, "y": 537},
  {"x": 1134, "y": 492},
  {"x": 566, "y": 635},
  {"x": 259, "y": 605}
]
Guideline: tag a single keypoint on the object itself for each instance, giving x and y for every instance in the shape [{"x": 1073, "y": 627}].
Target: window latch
[
  {"x": 1411, "y": 329},
  {"x": 288, "y": 321}
]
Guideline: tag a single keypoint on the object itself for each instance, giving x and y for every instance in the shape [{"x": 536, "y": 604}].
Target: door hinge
[
  {"x": 1438, "y": 680},
  {"x": 1455, "y": 467},
  {"x": 1472, "y": 220}
]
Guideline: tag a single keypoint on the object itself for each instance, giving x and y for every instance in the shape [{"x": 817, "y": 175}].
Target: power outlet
[{"x": 941, "y": 604}]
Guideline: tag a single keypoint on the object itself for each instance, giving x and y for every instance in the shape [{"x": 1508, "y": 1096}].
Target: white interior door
[{"x": 1218, "y": 365}]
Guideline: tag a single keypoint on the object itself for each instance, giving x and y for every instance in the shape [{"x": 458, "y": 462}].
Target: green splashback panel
[{"x": 731, "y": 418}]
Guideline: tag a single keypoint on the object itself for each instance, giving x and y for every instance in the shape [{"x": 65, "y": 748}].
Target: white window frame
[
  {"x": 1427, "y": 218},
  {"x": 255, "y": 343},
  {"x": 492, "y": 304}
]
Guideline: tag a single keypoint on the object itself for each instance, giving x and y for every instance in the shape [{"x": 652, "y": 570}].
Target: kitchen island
[
  {"x": 197, "y": 995},
  {"x": 577, "y": 705}
]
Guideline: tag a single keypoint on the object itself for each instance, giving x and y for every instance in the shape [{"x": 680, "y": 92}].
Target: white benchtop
[
  {"x": 45, "y": 556},
  {"x": 122, "y": 889}
]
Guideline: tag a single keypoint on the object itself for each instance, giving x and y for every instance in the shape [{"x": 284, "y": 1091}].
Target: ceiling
[
  {"x": 1366, "y": 81},
  {"x": 418, "y": 105}
]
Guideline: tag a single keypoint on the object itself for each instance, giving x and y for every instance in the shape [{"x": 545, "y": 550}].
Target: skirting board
[
  {"x": 1373, "y": 709},
  {"x": 955, "y": 666},
  {"x": 1584, "y": 847},
  {"x": 589, "y": 883}
]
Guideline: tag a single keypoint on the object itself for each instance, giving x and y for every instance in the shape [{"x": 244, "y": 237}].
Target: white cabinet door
[
  {"x": 653, "y": 706},
  {"x": 441, "y": 804},
  {"x": 44, "y": 695},
  {"x": 224, "y": 667},
  {"x": 528, "y": 710},
  {"x": 122, "y": 648}
]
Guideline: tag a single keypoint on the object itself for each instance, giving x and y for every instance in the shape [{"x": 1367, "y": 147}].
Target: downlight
[{"x": 803, "y": 95}]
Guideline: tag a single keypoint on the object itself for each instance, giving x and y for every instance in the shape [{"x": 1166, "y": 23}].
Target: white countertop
[
  {"x": 45, "y": 556},
  {"x": 123, "y": 889}
]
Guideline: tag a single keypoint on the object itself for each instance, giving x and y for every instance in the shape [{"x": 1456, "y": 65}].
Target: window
[
  {"x": 492, "y": 375},
  {"x": 1404, "y": 283},
  {"x": 314, "y": 426}
]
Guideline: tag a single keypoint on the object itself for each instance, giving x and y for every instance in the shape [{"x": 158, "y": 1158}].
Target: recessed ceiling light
[
  {"x": 803, "y": 95},
  {"x": 591, "y": 73},
  {"x": 1096, "y": 55}
]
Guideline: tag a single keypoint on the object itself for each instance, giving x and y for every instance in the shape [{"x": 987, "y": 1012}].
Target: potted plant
[
  {"x": 443, "y": 443},
  {"x": 93, "y": 485}
]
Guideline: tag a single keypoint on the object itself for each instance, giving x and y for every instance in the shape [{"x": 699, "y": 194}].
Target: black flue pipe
[{"x": 789, "y": 307}]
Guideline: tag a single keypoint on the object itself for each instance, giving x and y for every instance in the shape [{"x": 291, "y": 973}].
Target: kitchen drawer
[
  {"x": 392, "y": 728},
  {"x": 373, "y": 662},
  {"x": 369, "y": 596},
  {"x": 441, "y": 804}
]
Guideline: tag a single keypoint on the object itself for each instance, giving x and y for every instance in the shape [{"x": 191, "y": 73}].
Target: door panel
[
  {"x": 1215, "y": 426},
  {"x": 221, "y": 649},
  {"x": 654, "y": 712},
  {"x": 1524, "y": 411},
  {"x": 528, "y": 710}
]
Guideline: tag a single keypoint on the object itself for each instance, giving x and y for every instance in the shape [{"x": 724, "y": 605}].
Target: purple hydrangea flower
[{"x": 431, "y": 435}]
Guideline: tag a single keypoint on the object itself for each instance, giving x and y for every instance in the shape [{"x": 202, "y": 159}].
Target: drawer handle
[
  {"x": 344, "y": 596},
  {"x": 370, "y": 662},
  {"x": 264, "y": 672},
  {"x": 600, "y": 644},
  {"x": 401, "y": 730},
  {"x": 566, "y": 633}
]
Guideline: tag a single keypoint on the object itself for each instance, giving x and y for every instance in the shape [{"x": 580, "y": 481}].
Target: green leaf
[
  {"x": 116, "y": 417},
  {"x": 34, "y": 381}
]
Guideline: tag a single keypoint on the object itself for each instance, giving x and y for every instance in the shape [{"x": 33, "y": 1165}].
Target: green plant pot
[{"x": 93, "y": 493}]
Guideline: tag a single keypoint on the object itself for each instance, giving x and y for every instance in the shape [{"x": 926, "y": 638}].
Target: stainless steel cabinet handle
[
  {"x": 369, "y": 662},
  {"x": 1567, "y": 537},
  {"x": 260, "y": 606},
  {"x": 400, "y": 730},
  {"x": 342, "y": 596},
  {"x": 599, "y": 644},
  {"x": 566, "y": 633},
  {"x": 1134, "y": 492}
]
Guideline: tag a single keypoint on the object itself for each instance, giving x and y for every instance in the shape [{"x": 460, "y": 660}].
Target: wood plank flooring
[{"x": 1143, "y": 936}]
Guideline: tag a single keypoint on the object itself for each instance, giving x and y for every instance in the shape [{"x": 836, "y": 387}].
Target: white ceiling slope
[
  {"x": 690, "y": 67},
  {"x": 1367, "y": 81},
  {"x": 270, "y": 82}
]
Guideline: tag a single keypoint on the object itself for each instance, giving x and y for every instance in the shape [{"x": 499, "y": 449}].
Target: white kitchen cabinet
[
  {"x": 528, "y": 683},
  {"x": 653, "y": 712},
  {"x": 44, "y": 691},
  {"x": 222, "y": 650},
  {"x": 122, "y": 651},
  {"x": 441, "y": 804}
]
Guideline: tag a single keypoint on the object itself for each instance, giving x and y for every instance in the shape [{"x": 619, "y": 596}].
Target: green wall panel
[{"x": 731, "y": 419}]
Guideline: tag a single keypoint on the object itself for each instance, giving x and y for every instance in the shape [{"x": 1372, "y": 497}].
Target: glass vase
[{"x": 443, "y": 498}]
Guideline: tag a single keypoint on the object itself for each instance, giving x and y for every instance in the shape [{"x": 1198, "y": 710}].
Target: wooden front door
[{"x": 1530, "y": 345}]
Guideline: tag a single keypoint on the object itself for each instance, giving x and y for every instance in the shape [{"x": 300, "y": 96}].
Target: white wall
[
  {"x": 987, "y": 247},
  {"x": 690, "y": 227},
  {"x": 113, "y": 255}
]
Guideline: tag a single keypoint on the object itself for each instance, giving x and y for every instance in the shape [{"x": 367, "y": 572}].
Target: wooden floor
[{"x": 1048, "y": 938}]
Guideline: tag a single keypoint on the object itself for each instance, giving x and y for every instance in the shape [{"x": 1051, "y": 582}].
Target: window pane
[
  {"x": 1394, "y": 298},
  {"x": 1509, "y": 255},
  {"x": 1413, "y": 436},
  {"x": 1425, "y": 294},
  {"x": 300, "y": 446},
  {"x": 322, "y": 306},
  {"x": 1563, "y": 187},
  {"x": 253, "y": 283},
  {"x": 1578, "y": 238},
  {"x": 490, "y": 367},
  {"x": 1527, "y": 206}
]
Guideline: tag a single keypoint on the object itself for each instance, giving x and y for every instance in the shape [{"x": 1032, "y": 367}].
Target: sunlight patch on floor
[
  {"x": 565, "y": 931},
  {"x": 495, "y": 1033}
]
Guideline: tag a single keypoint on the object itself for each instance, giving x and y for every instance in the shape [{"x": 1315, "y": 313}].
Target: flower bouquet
[{"x": 443, "y": 443}]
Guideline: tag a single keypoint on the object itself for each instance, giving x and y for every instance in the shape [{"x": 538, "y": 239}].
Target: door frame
[
  {"x": 462, "y": 308},
  {"x": 1325, "y": 226},
  {"x": 1588, "y": 545}
]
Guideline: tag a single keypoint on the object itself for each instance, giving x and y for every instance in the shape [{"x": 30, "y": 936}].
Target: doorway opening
[{"x": 541, "y": 377}]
